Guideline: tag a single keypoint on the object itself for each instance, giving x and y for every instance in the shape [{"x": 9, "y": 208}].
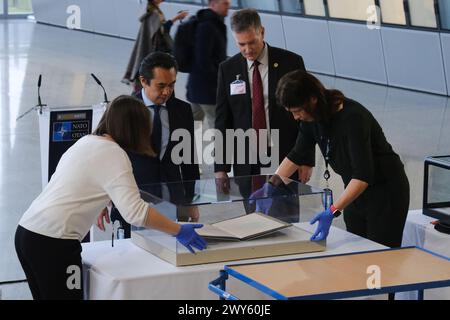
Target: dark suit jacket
[
  {"x": 209, "y": 51},
  {"x": 235, "y": 111},
  {"x": 180, "y": 117}
]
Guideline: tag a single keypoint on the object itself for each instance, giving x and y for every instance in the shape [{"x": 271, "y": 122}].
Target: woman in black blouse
[{"x": 376, "y": 195}]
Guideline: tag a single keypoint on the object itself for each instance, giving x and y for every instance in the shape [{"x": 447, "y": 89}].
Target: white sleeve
[{"x": 123, "y": 190}]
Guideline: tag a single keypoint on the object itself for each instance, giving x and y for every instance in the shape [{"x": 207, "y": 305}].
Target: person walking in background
[
  {"x": 154, "y": 35},
  {"x": 210, "y": 49}
]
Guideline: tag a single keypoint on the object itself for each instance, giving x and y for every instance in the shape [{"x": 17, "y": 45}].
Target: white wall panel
[
  {"x": 357, "y": 52},
  {"x": 445, "y": 41},
  {"x": 310, "y": 39},
  {"x": 414, "y": 60},
  {"x": 232, "y": 48},
  {"x": 128, "y": 13},
  {"x": 274, "y": 30},
  {"x": 51, "y": 11},
  {"x": 105, "y": 17},
  {"x": 87, "y": 14}
]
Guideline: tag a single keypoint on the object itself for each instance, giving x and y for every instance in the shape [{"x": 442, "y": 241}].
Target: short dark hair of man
[
  {"x": 156, "y": 60},
  {"x": 127, "y": 120},
  {"x": 245, "y": 19}
]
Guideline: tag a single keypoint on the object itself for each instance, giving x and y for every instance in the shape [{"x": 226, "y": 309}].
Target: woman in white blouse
[{"x": 94, "y": 171}]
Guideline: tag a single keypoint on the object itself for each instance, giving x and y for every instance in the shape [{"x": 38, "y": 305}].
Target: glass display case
[
  {"x": 436, "y": 187},
  {"x": 243, "y": 218}
]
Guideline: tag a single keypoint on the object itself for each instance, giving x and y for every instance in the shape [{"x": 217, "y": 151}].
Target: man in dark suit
[
  {"x": 158, "y": 74},
  {"x": 250, "y": 107},
  {"x": 246, "y": 100}
]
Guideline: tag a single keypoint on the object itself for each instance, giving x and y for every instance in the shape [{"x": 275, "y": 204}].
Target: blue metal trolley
[{"x": 341, "y": 276}]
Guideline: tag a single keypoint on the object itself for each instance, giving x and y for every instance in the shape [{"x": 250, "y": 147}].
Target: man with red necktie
[{"x": 246, "y": 98}]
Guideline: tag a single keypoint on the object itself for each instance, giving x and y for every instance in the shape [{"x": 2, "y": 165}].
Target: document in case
[{"x": 242, "y": 228}]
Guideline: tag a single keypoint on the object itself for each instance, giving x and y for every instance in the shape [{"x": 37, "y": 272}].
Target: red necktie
[
  {"x": 258, "y": 112},
  {"x": 258, "y": 182}
]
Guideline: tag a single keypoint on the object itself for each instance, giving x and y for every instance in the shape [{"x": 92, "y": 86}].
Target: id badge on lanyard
[{"x": 327, "y": 196}]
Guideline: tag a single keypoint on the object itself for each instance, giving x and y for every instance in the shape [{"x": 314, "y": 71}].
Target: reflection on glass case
[
  {"x": 243, "y": 218},
  {"x": 436, "y": 187}
]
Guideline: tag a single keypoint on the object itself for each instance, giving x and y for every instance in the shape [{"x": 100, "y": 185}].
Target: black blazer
[
  {"x": 180, "y": 117},
  {"x": 209, "y": 51},
  {"x": 235, "y": 112}
]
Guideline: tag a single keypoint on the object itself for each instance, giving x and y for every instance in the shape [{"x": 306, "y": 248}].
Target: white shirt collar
[
  {"x": 263, "y": 57},
  {"x": 147, "y": 101}
]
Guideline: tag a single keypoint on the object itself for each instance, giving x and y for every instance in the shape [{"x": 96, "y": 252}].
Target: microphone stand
[
  {"x": 100, "y": 84},
  {"x": 36, "y": 107}
]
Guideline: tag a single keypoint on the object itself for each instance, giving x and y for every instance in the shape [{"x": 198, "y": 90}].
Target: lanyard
[
  {"x": 326, "y": 174},
  {"x": 327, "y": 198}
]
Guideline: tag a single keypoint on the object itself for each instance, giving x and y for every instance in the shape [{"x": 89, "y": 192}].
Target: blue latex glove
[
  {"x": 325, "y": 219},
  {"x": 189, "y": 238},
  {"x": 263, "y": 205}
]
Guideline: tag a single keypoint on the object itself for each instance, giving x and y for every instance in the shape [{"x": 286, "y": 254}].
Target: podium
[{"x": 60, "y": 128}]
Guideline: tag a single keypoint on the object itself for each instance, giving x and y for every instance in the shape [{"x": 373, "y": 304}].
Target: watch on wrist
[{"x": 336, "y": 213}]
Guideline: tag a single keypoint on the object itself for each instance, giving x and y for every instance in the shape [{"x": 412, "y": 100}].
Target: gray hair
[{"x": 243, "y": 20}]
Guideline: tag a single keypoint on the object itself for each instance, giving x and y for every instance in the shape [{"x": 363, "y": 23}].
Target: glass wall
[
  {"x": 422, "y": 13},
  {"x": 350, "y": 9},
  {"x": 314, "y": 8},
  {"x": 191, "y": 1},
  {"x": 416, "y": 13},
  {"x": 266, "y": 5},
  {"x": 16, "y": 7},
  {"x": 291, "y": 6},
  {"x": 444, "y": 10},
  {"x": 393, "y": 12}
]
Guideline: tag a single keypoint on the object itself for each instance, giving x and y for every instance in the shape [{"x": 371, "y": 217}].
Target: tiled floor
[{"x": 416, "y": 124}]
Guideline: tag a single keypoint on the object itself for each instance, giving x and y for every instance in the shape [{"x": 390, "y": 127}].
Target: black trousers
[
  {"x": 52, "y": 266},
  {"x": 379, "y": 213}
]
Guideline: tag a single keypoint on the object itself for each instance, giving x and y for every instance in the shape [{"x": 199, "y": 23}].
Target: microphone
[
  {"x": 39, "y": 105},
  {"x": 100, "y": 84},
  {"x": 39, "y": 92}
]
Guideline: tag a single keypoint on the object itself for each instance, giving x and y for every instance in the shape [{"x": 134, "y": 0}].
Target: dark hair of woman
[
  {"x": 297, "y": 88},
  {"x": 128, "y": 122}
]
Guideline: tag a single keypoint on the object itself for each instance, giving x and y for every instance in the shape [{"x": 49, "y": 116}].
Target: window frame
[
  {"x": 7, "y": 15},
  {"x": 327, "y": 17}
]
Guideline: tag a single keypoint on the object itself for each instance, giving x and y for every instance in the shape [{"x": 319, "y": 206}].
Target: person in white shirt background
[{"x": 94, "y": 171}]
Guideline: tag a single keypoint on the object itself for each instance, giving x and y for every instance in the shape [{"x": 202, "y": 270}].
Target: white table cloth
[
  {"x": 420, "y": 232},
  {"x": 126, "y": 271}
]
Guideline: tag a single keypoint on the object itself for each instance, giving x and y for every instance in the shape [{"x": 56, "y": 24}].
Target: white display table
[
  {"x": 421, "y": 233},
  {"x": 126, "y": 271}
]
